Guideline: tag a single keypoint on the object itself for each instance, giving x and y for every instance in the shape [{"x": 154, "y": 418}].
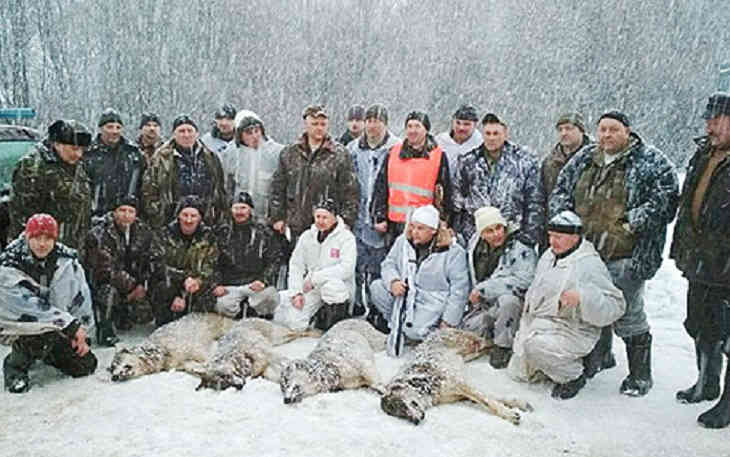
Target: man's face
[
  {"x": 251, "y": 136},
  {"x": 151, "y": 130},
  {"x": 462, "y": 129},
  {"x": 240, "y": 212},
  {"x": 189, "y": 219},
  {"x": 422, "y": 233},
  {"x": 374, "y": 128},
  {"x": 494, "y": 136},
  {"x": 355, "y": 127},
  {"x": 494, "y": 235},
  {"x": 225, "y": 125},
  {"x": 415, "y": 132},
  {"x": 570, "y": 136},
  {"x": 124, "y": 216},
  {"x": 323, "y": 219},
  {"x": 186, "y": 135},
  {"x": 613, "y": 136},
  {"x": 41, "y": 245},
  {"x": 317, "y": 127},
  {"x": 562, "y": 242},
  {"x": 69, "y": 153},
  {"x": 111, "y": 132},
  {"x": 718, "y": 129}
]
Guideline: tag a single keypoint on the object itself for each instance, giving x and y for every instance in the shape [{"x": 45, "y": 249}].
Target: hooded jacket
[
  {"x": 574, "y": 330},
  {"x": 251, "y": 170}
]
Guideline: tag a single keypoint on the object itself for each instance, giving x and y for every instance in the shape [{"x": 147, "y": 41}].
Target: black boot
[
  {"x": 570, "y": 389},
  {"x": 15, "y": 369},
  {"x": 601, "y": 357},
  {"x": 329, "y": 315},
  {"x": 105, "y": 335},
  {"x": 638, "y": 352},
  {"x": 376, "y": 319},
  {"x": 719, "y": 415},
  {"x": 709, "y": 366},
  {"x": 499, "y": 357}
]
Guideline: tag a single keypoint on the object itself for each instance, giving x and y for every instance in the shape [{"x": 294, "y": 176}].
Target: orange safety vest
[{"x": 411, "y": 182}]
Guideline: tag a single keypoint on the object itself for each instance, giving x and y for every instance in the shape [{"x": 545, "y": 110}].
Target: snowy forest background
[{"x": 527, "y": 61}]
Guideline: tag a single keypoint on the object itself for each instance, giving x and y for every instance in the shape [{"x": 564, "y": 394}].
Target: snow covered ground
[{"x": 163, "y": 415}]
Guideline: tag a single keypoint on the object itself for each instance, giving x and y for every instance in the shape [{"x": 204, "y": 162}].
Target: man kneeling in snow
[
  {"x": 44, "y": 305},
  {"x": 321, "y": 272},
  {"x": 570, "y": 299}
]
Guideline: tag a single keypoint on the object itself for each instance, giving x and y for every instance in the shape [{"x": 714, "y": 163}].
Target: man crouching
[
  {"x": 321, "y": 272},
  {"x": 44, "y": 304},
  {"x": 570, "y": 299}
]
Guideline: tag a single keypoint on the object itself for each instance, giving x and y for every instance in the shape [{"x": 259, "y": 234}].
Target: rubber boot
[
  {"x": 601, "y": 357},
  {"x": 709, "y": 366},
  {"x": 638, "y": 352},
  {"x": 499, "y": 357},
  {"x": 719, "y": 415}
]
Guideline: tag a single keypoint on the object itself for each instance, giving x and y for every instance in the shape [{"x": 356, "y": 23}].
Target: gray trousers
[
  {"x": 634, "y": 321},
  {"x": 499, "y": 321}
]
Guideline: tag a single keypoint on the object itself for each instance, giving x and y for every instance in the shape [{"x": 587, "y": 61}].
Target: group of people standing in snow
[{"x": 548, "y": 257}]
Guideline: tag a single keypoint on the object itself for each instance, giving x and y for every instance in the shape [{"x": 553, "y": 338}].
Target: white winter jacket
[
  {"x": 334, "y": 258},
  {"x": 576, "y": 329}
]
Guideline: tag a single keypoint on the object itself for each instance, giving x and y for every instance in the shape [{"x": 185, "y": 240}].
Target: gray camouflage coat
[
  {"x": 652, "y": 198},
  {"x": 513, "y": 187}
]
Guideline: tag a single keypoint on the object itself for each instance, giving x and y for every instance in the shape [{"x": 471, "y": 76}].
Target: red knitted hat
[{"x": 40, "y": 224}]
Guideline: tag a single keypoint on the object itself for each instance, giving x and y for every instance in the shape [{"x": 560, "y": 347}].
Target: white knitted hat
[
  {"x": 426, "y": 215},
  {"x": 486, "y": 216}
]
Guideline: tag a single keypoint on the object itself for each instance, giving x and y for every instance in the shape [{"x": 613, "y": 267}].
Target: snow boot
[
  {"x": 638, "y": 352},
  {"x": 709, "y": 366},
  {"x": 376, "y": 319},
  {"x": 570, "y": 389},
  {"x": 719, "y": 415},
  {"x": 328, "y": 315},
  {"x": 499, "y": 357},
  {"x": 601, "y": 357}
]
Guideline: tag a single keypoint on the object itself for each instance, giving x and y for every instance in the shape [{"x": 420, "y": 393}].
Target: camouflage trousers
[
  {"x": 53, "y": 348},
  {"x": 162, "y": 297},
  {"x": 112, "y": 306},
  {"x": 498, "y": 321}
]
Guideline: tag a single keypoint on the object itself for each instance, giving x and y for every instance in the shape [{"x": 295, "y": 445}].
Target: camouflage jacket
[
  {"x": 513, "y": 186},
  {"x": 702, "y": 252},
  {"x": 38, "y": 296},
  {"x": 149, "y": 150},
  {"x": 247, "y": 253},
  {"x": 175, "y": 257},
  {"x": 213, "y": 141},
  {"x": 304, "y": 177},
  {"x": 162, "y": 187},
  {"x": 114, "y": 259},
  {"x": 115, "y": 171},
  {"x": 43, "y": 183},
  {"x": 652, "y": 194},
  {"x": 553, "y": 163}
]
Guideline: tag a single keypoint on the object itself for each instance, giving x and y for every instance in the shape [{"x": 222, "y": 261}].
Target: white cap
[
  {"x": 426, "y": 215},
  {"x": 486, "y": 216}
]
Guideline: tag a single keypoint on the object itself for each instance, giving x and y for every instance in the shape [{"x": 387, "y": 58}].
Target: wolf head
[
  {"x": 126, "y": 365},
  {"x": 298, "y": 380},
  {"x": 406, "y": 403},
  {"x": 224, "y": 373}
]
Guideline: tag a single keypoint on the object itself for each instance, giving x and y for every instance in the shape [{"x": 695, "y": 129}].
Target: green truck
[{"x": 15, "y": 142}]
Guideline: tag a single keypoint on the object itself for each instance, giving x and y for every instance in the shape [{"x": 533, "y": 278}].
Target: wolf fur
[
  {"x": 343, "y": 359},
  {"x": 434, "y": 374},
  {"x": 246, "y": 351}
]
